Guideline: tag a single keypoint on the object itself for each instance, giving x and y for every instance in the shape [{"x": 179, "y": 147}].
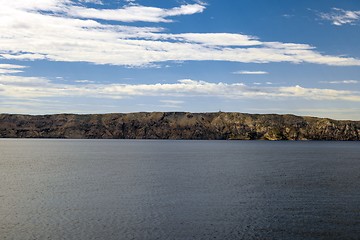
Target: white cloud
[
  {"x": 319, "y": 94},
  {"x": 35, "y": 88},
  {"x": 44, "y": 5},
  {"x": 10, "y": 68},
  {"x": 250, "y": 72},
  {"x": 187, "y": 9},
  {"x": 171, "y": 103},
  {"x": 84, "y": 81},
  {"x": 288, "y": 15},
  {"x": 56, "y": 36},
  {"x": 217, "y": 39},
  {"x": 92, "y": 1},
  {"x": 174, "y": 102},
  {"x": 341, "y": 17},
  {"x": 8, "y": 71},
  {"x": 342, "y": 82},
  {"x": 135, "y": 13},
  {"x": 130, "y": 1},
  {"x": 11, "y": 80}
]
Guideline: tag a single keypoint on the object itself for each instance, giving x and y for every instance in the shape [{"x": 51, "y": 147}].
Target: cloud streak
[
  {"x": 135, "y": 13},
  {"x": 10, "y": 68},
  {"x": 342, "y": 82},
  {"x": 251, "y": 72}
]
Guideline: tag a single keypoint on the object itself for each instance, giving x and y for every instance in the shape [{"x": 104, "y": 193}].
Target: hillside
[{"x": 178, "y": 125}]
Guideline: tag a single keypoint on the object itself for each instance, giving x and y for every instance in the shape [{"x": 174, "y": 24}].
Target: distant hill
[{"x": 178, "y": 125}]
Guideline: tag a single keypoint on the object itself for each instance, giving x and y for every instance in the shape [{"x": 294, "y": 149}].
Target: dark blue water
[{"x": 123, "y": 189}]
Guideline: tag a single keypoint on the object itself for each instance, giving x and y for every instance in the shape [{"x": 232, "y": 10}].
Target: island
[{"x": 178, "y": 125}]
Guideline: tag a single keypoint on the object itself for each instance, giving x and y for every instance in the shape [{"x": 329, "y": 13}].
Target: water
[{"x": 134, "y": 189}]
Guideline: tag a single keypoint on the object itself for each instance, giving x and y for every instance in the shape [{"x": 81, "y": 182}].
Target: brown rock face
[{"x": 178, "y": 125}]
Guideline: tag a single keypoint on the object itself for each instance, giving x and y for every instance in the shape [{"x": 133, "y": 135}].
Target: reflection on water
[{"x": 128, "y": 189}]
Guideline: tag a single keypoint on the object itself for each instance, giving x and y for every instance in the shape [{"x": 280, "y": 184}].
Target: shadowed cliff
[{"x": 178, "y": 125}]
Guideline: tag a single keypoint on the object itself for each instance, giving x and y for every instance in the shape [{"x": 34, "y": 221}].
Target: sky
[{"x": 250, "y": 56}]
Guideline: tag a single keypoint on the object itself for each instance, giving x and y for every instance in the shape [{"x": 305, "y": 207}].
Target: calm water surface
[{"x": 135, "y": 189}]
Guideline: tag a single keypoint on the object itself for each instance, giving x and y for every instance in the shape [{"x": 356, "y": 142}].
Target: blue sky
[{"x": 255, "y": 56}]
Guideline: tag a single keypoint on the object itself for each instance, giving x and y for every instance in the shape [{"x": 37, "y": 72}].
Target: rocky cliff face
[{"x": 178, "y": 125}]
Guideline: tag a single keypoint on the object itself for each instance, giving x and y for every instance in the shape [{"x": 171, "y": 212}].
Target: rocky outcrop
[{"x": 178, "y": 125}]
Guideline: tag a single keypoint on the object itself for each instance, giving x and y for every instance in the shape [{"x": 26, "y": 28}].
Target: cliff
[{"x": 178, "y": 125}]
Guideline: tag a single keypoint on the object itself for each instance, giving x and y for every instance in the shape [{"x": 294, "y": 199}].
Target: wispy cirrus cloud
[
  {"x": 92, "y": 1},
  {"x": 341, "y": 17},
  {"x": 84, "y": 81},
  {"x": 175, "y": 102},
  {"x": 342, "y": 82},
  {"x": 60, "y": 30},
  {"x": 215, "y": 39},
  {"x": 171, "y": 103},
  {"x": 251, "y": 72}
]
